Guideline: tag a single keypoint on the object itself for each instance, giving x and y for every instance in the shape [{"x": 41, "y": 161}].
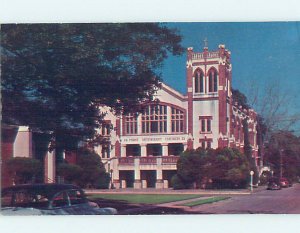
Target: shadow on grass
[{"x": 126, "y": 208}]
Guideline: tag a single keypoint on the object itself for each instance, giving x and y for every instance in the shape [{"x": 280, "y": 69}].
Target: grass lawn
[
  {"x": 205, "y": 201},
  {"x": 144, "y": 198}
]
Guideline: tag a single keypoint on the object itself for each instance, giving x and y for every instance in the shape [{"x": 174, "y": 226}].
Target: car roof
[{"x": 49, "y": 189}]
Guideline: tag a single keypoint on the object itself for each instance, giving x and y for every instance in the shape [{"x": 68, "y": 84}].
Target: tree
[
  {"x": 178, "y": 183},
  {"x": 220, "y": 168},
  {"x": 283, "y": 154},
  {"x": 55, "y": 76},
  {"x": 93, "y": 170},
  {"x": 70, "y": 172},
  {"x": 232, "y": 169},
  {"x": 239, "y": 98},
  {"x": 190, "y": 166},
  {"x": 248, "y": 152},
  {"x": 277, "y": 116},
  {"x": 24, "y": 170},
  {"x": 276, "y": 106},
  {"x": 276, "y": 110},
  {"x": 88, "y": 172}
]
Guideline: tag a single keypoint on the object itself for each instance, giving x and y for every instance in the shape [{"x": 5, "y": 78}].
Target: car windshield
[
  {"x": 41, "y": 197},
  {"x": 24, "y": 198}
]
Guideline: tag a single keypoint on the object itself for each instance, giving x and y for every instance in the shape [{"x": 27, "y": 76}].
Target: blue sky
[{"x": 262, "y": 53}]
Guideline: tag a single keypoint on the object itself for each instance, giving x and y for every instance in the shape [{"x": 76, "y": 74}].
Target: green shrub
[
  {"x": 70, "y": 172},
  {"x": 103, "y": 181},
  {"x": 220, "y": 168},
  {"x": 25, "y": 170},
  {"x": 92, "y": 168},
  {"x": 178, "y": 183}
]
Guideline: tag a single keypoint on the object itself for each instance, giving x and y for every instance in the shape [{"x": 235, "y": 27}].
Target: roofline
[{"x": 173, "y": 92}]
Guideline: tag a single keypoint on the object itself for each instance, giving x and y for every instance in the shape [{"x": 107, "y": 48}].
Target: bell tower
[{"x": 208, "y": 77}]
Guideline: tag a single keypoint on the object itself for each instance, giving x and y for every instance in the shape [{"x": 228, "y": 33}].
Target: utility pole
[{"x": 280, "y": 153}]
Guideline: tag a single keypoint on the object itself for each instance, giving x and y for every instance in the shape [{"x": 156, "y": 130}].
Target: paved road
[{"x": 285, "y": 201}]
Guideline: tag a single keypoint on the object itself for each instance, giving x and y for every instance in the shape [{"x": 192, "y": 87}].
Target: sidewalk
[{"x": 206, "y": 192}]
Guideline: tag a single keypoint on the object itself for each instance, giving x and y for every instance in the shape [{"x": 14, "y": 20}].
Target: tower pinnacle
[{"x": 205, "y": 43}]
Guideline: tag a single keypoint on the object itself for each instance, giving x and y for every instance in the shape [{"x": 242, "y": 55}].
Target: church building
[{"x": 142, "y": 151}]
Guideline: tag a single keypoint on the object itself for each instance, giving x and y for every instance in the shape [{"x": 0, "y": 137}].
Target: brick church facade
[{"x": 142, "y": 151}]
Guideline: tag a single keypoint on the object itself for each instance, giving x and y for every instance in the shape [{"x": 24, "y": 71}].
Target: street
[
  {"x": 261, "y": 201},
  {"x": 284, "y": 201}
]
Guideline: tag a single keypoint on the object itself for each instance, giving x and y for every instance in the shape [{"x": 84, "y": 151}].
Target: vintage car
[
  {"x": 48, "y": 199},
  {"x": 284, "y": 183},
  {"x": 273, "y": 186}
]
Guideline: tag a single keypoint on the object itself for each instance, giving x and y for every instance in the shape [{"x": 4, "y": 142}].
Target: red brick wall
[
  {"x": 6, "y": 153},
  {"x": 71, "y": 157}
]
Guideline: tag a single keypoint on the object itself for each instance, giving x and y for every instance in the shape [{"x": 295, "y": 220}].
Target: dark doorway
[
  {"x": 167, "y": 175},
  {"x": 150, "y": 177},
  {"x": 128, "y": 176}
]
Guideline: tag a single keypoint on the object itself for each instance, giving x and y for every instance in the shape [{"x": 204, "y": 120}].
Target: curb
[{"x": 168, "y": 193}]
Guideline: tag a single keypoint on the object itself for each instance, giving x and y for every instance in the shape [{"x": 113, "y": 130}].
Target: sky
[{"x": 262, "y": 54}]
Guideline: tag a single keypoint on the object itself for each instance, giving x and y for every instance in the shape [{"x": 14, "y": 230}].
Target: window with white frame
[
  {"x": 131, "y": 124},
  {"x": 177, "y": 120},
  {"x": 199, "y": 82},
  {"x": 212, "y": 81},
  {"x": 205, "y": 124},
  {"x": 206, "y": 143},
  {"x": 105, "y": 151},
  {"x": 106, "y": 128},
  {"x": 154, "y": 119}
]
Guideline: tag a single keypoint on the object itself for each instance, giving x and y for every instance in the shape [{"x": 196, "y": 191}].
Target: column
[
  {"x": 137, "y": 174},
  {"x": 159, "y": 175},
  {"x": 165, "y": 149},
  {"x": 143, "y": 150},
  {"x": 49, "y": 164},
  {"x": 123, "y": 150},
  {"x": 115, "y": 174},
  {"x": 23, "y": 143},
  {"x": 184, "y": 146},
  {"x": 139, "y": 124},
  {"x": 169, "y": 119}
]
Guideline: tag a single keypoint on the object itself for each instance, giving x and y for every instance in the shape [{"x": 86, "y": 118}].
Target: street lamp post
[
  {"x": 111, "y": 186},
  {"x": 280, "y": 154},
  {"x": 251, "y": 180},
  {"x": 111, "y": 179}
]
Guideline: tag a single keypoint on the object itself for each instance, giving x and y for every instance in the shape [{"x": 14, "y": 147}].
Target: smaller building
[{"x": 21, "y": 141}]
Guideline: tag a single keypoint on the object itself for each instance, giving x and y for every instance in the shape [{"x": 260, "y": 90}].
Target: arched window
[
  {"x": 199, "y": 87},
  {"x": 210, "y": 82},
  {"x": 154, "y": 119},
  {"x": 213, "y": 81}
]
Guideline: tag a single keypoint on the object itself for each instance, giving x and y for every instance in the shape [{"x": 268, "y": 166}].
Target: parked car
[
  {"x": 48, "y": 199},
  {"x": 273, "y": 186},
  {"x": 284, "y": 183}
]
